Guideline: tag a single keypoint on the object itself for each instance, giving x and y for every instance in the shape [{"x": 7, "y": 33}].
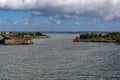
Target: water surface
[{"x": 59, "y": 58}]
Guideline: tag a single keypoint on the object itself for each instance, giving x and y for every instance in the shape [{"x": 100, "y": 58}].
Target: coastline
[
  {"x": 90, "y": 40},
  {"x": 24, "y": 38},
  {"x": 41, "y": 37},
  {"x": 21, "y": 41},
  {"x": 113, "y": 37}
]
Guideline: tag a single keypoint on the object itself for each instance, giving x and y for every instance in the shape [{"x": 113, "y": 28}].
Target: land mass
[
  {"x": 97, "y": 37},
  {"x": 20, "y": 38}
]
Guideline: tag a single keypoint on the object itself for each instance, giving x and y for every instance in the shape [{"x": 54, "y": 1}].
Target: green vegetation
[
  {"x": 31, "y": 33},
  {"x": 15, "y": 38},
  {"x": 95, "y": 37},
  {"x": 109, "y": 36},
  {"x": 21, "y": 35}
]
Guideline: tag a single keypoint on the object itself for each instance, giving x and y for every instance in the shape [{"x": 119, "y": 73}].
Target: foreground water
[{"x": 60, "y": 59}]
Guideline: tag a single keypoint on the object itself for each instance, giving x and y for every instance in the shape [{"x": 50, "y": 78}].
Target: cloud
[
  {"x": 36, "y": 13},
  {"x": 109, "y": 9},
  {"x": 26, "y": 21},
  {"x": 7, "y": 21},
  {"x": 77, "y": 23},
  {"x": 58, "y": 22},
  {"x": 15, "y": 22},
  {"x": 55, "y": 20},
  {"x": 70, "y": 16}
]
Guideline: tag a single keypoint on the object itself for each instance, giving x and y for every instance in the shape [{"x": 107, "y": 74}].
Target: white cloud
[
  {"x": 70, "y": 16},
  {"x": 77, "y": 23},
  {"x": 15, "y": 22},
  {"x": 109, "y": 9},
  {"x": 55, "y": 20},
  {"x": 58, "y": 22},
  {"x": 35, "y": 13},
  {"x": 26, "y": 21}
]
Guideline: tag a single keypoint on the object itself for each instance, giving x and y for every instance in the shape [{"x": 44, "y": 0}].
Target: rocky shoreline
[
  {"x": 21, "y": 41},
  {"x": 90, "y": 40},
  {"x": 16, "y": 42},
  {"x": 23, "y": 38}
]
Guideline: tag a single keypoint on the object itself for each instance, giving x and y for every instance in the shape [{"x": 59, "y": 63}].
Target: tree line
[{"x": 109, "y": 36}]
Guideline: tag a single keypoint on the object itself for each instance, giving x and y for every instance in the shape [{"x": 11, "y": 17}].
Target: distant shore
[
  {"x": 23, "y": 38},
  {"x": 113, "y": 37},
  {"x": 42, "y": 37}
]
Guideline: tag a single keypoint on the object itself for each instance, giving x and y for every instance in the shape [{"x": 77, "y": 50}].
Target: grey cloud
[{"x": 109, "y": 9}]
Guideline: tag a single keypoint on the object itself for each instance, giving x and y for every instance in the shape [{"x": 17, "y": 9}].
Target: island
[
  {"x": 20, "y": 38},
  {"x": 111, "y": 37}
]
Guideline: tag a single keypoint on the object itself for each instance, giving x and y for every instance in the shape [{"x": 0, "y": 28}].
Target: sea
[{"x": 59, "y": 58}]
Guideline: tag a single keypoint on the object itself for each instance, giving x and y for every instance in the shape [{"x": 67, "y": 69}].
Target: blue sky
[{"x": 63, "y": 15}]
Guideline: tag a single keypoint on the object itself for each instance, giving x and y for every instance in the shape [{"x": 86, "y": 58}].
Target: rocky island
[
  {"x": 20, "y": 38},
  {"x": 112, "y": 37}
]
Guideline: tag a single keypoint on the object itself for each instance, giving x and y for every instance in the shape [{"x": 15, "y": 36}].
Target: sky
[{"x": 59, "y": 15}]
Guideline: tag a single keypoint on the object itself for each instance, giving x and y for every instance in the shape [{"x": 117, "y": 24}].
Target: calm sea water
[{"x": 59, "y": 58}]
